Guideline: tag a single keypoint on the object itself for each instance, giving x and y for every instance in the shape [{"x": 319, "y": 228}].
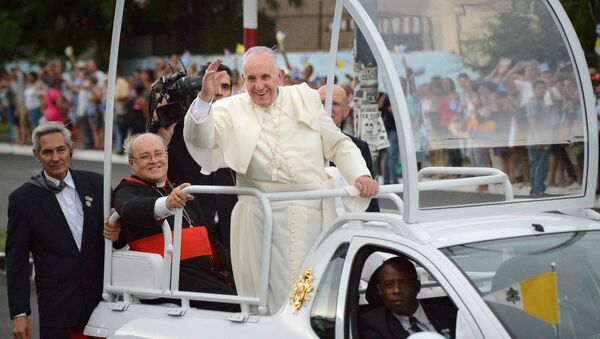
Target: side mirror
[{"x": 426, "y": 335}]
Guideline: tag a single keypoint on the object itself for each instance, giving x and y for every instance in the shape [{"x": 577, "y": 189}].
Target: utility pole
[{"x": 250, "y": 23}]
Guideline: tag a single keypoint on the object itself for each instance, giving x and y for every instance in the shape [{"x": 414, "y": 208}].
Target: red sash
[
  {"x": 194, "y": 243},
  {"x": 194, "y": 240}
]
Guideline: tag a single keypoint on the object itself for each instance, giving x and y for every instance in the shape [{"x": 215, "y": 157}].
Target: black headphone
[{"x": 40, "y": 180}]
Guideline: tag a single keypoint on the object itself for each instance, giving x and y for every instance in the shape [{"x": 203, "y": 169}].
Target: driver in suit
[{"x": 398, "y": 313}]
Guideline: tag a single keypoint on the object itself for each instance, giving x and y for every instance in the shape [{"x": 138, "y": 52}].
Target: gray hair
[
  {"x": 128, "y": 143},
  {"x": 258, "y": 50},
  {"x": 48, "y": 128}
]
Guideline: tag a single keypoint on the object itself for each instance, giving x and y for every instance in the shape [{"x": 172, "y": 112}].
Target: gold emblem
[{"x": 302, "y": 289}]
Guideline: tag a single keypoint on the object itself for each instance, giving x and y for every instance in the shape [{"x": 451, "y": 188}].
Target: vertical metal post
[
  {"x": 108, "y": 118},
  {"x": 250, "y": 24}
]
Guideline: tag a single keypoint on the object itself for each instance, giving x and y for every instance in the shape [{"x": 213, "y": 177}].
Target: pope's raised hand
[{"x": 211, "y": 81}]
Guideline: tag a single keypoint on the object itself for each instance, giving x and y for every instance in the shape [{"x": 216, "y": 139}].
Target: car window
[
  {"x": 322, "y": 314},
  {"x": 559, "y": 272},
  {"x": 439, "y": 309}
]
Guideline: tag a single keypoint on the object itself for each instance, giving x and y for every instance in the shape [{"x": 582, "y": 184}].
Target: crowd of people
[
  {"x": 498, "y": 114},
  {"x": 527, "y": 116}
]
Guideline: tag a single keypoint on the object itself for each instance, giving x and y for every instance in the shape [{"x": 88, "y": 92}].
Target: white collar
[
  {"x": 160, "y": 184},
  {"x": 68, "y": 179},
  {"x": 419, "y": 314}
]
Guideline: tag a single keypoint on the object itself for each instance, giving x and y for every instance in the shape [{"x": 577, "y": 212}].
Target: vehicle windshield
[
  {"x": 505, "y": 268},
  {"x": 489, "y": 84}
]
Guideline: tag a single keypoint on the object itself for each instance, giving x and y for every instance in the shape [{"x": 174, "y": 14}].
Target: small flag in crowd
[
  {"x": 597, "y": 48},
  {"x": 537, "y": 296},
  {"x": 239, "y": 49}
]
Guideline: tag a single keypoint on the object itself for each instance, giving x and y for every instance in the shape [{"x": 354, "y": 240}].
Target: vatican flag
[
  {"x": 537, "y": 296},
  {"x": 597, "y": 48}
]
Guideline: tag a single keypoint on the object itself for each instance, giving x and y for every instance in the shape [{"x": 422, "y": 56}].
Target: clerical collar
[
  {"x": 160, "y": 184},
  {"x": 68, "y": 179}
]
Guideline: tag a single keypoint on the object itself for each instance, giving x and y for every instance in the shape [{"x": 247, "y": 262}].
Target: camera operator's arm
[{"x": 166, "y": 133}]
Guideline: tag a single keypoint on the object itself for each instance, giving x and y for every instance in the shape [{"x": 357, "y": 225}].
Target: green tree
[
  {"x": 38, "y": 30},
  {"x": 585, "y": 15},
  {"x": 520, "y": 36}
]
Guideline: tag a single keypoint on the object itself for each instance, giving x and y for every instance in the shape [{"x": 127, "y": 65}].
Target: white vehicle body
[{"x": 425, "y": 234}]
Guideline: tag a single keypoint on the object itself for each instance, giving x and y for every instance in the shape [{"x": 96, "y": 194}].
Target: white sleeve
[
  {"x": 200, "y": 110},
  {"x": 160, "y": 209}
]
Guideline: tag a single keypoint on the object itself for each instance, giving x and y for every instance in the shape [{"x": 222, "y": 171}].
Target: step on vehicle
[{"x": 505, "y": 259}]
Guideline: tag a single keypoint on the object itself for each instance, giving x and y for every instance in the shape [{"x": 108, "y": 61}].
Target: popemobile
[{"x": 504, "y": 261}]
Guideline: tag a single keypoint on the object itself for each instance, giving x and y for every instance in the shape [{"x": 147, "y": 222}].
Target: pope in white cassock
[{"x": 276, "y": 139}]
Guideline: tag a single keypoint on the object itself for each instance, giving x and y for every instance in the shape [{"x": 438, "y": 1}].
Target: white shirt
[
  {"x": 160, "y": 206},
  {"x": 70, "y": 204},
  {"x": 424, "y": 322}
]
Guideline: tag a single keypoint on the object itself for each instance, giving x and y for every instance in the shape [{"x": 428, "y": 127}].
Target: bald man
[{"x": 340, "y": 111}]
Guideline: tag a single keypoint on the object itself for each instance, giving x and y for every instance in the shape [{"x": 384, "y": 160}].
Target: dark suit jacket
[
  {"x": 379, "y": 323},
  {"x": 134, "y": 201},
  {"x": 366, "y": 154},
  {"x": 68, "y": 281}
]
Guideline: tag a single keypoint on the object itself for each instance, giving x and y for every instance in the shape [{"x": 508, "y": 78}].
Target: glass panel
[
  {"x": 493, "y": 266},
  {"x": 489, "y": 84},
  {"x": 322, "y": 314}
]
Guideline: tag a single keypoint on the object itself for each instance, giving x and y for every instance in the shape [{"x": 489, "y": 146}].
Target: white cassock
[{"x": 294, "y": 133}]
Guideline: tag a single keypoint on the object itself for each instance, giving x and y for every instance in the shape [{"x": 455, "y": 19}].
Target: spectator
[{"x": 537, "y": 139}]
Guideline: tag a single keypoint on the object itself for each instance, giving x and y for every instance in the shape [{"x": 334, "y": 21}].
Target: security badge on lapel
[
  {"x": 302, "y": 289},
  {"x": 88, "y": 201}
]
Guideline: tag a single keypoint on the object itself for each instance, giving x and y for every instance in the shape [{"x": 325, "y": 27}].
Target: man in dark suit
[
  {"x": 401, "y": 314},
  {"x": 340, "y": 111},
  {"x": 57, "y": 216}
]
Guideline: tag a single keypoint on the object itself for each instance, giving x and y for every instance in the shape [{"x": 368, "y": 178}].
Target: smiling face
[
  {"x": 262, "y": 76},
  {"x": 149, "y": 159},
  {"x": 398, "y": 288},
  {"x": 54, "y": 155}
]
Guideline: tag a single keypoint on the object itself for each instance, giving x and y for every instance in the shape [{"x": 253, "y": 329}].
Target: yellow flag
[
  {"x": 239, "y": 49},
  {"x": 540, "y": 297},
  {"x": 537, "y": 296}
]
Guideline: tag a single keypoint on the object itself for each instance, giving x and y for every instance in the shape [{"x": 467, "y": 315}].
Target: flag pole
[{"x": 556, "y": 329}]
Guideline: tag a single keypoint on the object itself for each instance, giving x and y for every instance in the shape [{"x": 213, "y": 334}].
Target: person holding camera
[
  {"x": 276, "y": 138},
  {"x": 183, "y": 168}
]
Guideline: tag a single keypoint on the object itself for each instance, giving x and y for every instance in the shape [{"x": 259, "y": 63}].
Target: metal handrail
[{"x": 167, "y": 253}]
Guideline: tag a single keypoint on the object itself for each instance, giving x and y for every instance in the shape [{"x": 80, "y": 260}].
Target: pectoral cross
[{"x": 273, "y": 166}]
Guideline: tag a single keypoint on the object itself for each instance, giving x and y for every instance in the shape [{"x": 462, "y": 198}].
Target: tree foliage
[
  {"x": 38, "y": 30},
  {"x": 584, "y": 15},
  {"x": 521, "y": 36}
]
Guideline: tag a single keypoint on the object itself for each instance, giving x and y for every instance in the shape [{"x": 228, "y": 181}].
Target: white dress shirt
[
  {"x": 71, "y": 206},
  {"x": 424, "y": 322},
  {"x": 160, "y": 206}
]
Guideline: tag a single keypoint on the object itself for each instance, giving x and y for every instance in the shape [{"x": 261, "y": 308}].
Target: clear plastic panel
[{"x": 489, "y": 84}]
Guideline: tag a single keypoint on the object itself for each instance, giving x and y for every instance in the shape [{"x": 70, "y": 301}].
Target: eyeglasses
[{"x": 146, "y": 157}]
